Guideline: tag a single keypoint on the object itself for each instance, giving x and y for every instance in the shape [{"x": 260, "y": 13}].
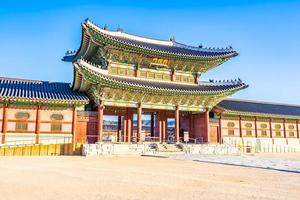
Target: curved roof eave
[
  {"x": 163, "y": 48},
  {"x": 99, "y": 76}
]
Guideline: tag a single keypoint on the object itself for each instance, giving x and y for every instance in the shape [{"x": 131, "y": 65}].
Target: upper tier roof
[
  {"x": 259, "y": 108},
  {"x": 101, "y": 77},
  {"x": 12, "y": 89},
  {"x": 167, "y": 48}
]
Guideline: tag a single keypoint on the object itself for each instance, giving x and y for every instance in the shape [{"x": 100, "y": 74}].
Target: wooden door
[{"x": 213, "y": 134}]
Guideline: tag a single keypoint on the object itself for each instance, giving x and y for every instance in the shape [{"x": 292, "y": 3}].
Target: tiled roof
[
  {"x": 12, "y": 89},
  {"x": 158, "y": 86},
  {"x": 177, "y": 48},
  {"x": 264, "y": 108},
  {"x": 169, "y": 47}
]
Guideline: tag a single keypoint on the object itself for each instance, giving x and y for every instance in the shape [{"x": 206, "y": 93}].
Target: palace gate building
[{"x": 153, "y": 90}]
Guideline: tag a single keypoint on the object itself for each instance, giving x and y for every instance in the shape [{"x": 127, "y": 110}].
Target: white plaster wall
[
  {"x": 224, "y": 123},
  {"x": 55, "y": 138},
  {"x": 293, "y": 141},
  {"x": 249, "y": 141},
  {"x": 265, "y": 141},
  {"x": 46, "y": 127},
  {"x": 235, "y": 141},
  {"x": 11, "y": 112},
  {"x": 274, "y": 130},
  {"x": 19, "y": 138},
  {"x": 291, "y": 130},
  {"x": 244, "y": 129},
  {"x": 45, "y": 115},
  {"x": 67, "y": 128},
  {"x": 259, "y": 129},
  {"x": 280, "y": 141},
  {"x": 11, "y": 126}
]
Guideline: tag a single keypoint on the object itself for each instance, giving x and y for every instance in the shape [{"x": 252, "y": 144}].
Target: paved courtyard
[
  {"x": 279, "y": 162},
  {"x": 136, "y": 177}
]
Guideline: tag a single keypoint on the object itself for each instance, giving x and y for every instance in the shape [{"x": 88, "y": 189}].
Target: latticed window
[
  {"x": 291, "y": 127},
  {"x": 22, "y": 115},
  {"x": 291, "y": 134},
  {"x": 230, "y": 124},
  {"x": 22, "y": 121},
  {"x": 231, "y": 132},
  {"x": 277, "y": 126},
  {"x": 56, "y": 127},
  {"x": 20, "y": 126},
  {"x": 249, "y": 133},
  {"x": 56, "y": 123},
  {"x": 278, "y": 133},
  {"x": 57, "y": 117},
  {"x": 263, "y": 133},
  {"x": 248, "y": 125},
  {"x": 263, "y": 126}
]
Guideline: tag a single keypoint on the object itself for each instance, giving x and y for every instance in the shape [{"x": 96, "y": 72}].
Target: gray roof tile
[
  {"x": 11, "y": 88},
  {"x": 260, "y": 107}
]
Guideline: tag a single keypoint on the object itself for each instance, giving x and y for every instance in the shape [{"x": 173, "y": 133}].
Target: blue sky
[{"x": 34, "y": 37}]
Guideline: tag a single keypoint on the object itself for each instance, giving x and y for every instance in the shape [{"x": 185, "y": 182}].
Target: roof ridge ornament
[
  {"x": 119, "y": 29},
  {"x": 105, "y": 27}
]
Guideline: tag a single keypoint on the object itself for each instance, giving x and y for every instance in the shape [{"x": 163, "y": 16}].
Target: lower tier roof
[
  {"x": 254, "y": 108},
  {"x": 12, "y": 89},
  {"x": 101, "y": 77}
]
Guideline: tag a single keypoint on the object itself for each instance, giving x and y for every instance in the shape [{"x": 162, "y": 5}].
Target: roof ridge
[
  {"x": 29, "y": 80},
  {"x": 262, "y": 102},
  {"x": 170, "y": 42},
  {"x": 129, "y": 35}
]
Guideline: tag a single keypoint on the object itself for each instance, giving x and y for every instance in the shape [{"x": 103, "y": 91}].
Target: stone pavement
[{"x": 243, "y": 160}]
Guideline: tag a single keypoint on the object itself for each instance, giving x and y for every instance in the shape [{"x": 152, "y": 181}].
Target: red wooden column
[
  {"x": 240, "y": 125},
  {"x": 220, "y": 129},
  {"x": 173, "y": 77},
  {"x": 128, "y": 125},
  {"x": 176, "y": 132},
  {"x": 125, "y": 126},
  {"x": 119, "y": 128},
  {"x": 284, "y": 132},
  {"x": 74, "y": 121},
  {"x": 137, "y": 72},
  {"x": 196, "y": 79},
  {"x": 165, "y": 127},
  {"x": 161, "y": 131},
  {"x": 139, "y": 122},
  {"x": 100, "y": 122},
  {"x": 38, "y": 124},
  {"x": 191, "y": 132},
  {"x": 206, "y": 122},
  {"x": 152, "y": 125},
  {"x": 4, "y": 123},
  {"x": 159, "y": 125},
  {"x": 255, "y": 126},
  {"x": 271, "y": 134},
  {"x": 297, "y": 127}
]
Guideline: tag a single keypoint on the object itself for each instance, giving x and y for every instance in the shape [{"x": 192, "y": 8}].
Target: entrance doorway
[
  {"x": 170, "y": 130},
  {"x": 112, "y": 128}
]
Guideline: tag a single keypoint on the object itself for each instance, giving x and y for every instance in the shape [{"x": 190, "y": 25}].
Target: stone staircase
[
  {"x": 213, "y": 149},
  {"x": 171, "y": 148},
  {"x": 158, "y": 148}
]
